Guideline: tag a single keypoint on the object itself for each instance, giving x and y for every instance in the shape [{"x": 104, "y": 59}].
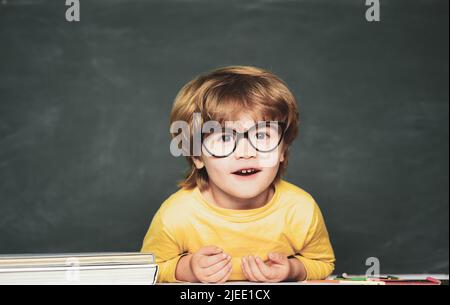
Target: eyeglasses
[{"x": 264, "y": 137}]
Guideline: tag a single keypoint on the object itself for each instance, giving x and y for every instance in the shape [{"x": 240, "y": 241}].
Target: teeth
[{"x": 244, "y": 171}]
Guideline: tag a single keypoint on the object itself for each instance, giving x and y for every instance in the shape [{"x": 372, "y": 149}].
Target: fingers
[
  {"x": 265, "y": 270},
  {"x": 247, "y": 270},
  {"x": 277, "y": 258},
  {"x": 255, "y": 270},
  {"x": 244, "y": 268},
  {"x": 220, "y": 275},
  {"x": 216, "y": 267},
  {"x": 208, "y": 261},
  {"x": 225, "y": 278},
  {"x": 209, "y": 250},
  {"x": 211, "y": 265}
]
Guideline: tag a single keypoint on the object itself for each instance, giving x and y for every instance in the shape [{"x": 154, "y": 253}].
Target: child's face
[{"x": 222, "y": 171}]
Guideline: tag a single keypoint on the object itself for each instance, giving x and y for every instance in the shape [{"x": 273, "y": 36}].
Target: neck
[{"x": 224, "y": 200}]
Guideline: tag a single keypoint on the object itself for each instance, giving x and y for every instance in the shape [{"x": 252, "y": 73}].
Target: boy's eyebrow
[
  {"x": 256, "y": 124},
  {"x": 229, "y": 126}
]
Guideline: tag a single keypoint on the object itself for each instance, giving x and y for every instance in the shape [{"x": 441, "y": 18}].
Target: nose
[{"x": 244, "y": 149}]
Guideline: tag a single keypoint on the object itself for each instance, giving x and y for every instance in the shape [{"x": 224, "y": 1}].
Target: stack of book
[{"x": 79, "y": 269}]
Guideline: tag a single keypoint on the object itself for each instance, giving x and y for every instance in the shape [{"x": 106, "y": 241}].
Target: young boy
[{"x": 234, "y": 218}]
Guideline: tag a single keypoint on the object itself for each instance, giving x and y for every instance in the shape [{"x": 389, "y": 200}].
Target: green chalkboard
[{"x": 84, "y": 109}]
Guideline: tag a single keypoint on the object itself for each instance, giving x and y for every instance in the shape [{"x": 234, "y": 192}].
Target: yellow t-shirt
[{"x": 290, "y": 223}]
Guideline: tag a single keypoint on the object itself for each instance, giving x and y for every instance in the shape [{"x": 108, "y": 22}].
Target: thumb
[
  {"x": 277, "y": 258},
  {"x": 210, "y": 250}
]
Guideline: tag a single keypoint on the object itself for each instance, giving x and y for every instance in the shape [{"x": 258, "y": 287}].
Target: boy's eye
[
  {"x": 226, "y": 138},
  {"x": 262, "y": 135}
]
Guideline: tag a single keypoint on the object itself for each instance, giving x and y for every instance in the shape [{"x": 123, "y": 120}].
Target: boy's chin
[{"x": 246, "y": 193}]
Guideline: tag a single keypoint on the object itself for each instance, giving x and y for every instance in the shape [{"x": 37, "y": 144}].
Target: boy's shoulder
[
  {"x": 295, "y": 197},
  {"x": 180, "y": 202}
]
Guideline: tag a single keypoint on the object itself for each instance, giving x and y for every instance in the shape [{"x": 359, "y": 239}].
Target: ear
[
  {"x": 198, "y": 162},
  {"x": 283, "y": 152}
]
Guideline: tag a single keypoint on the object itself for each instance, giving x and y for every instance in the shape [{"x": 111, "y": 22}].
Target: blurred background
[{"x": 84, "y": 108}]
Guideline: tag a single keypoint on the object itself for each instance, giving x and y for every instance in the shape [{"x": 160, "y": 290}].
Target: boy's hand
[
  {"x": 211, "y": 265},
  {"x": 275, "y": 269}
]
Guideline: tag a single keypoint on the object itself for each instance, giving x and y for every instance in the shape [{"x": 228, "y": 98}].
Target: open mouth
[{"x": 246, "y": 172}]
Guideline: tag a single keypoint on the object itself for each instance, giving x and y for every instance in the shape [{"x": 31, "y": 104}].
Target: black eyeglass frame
[{"x": 244, "y": 134}]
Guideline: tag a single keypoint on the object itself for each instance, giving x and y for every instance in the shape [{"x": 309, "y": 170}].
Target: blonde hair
[{"x": 221, "y": 95}]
